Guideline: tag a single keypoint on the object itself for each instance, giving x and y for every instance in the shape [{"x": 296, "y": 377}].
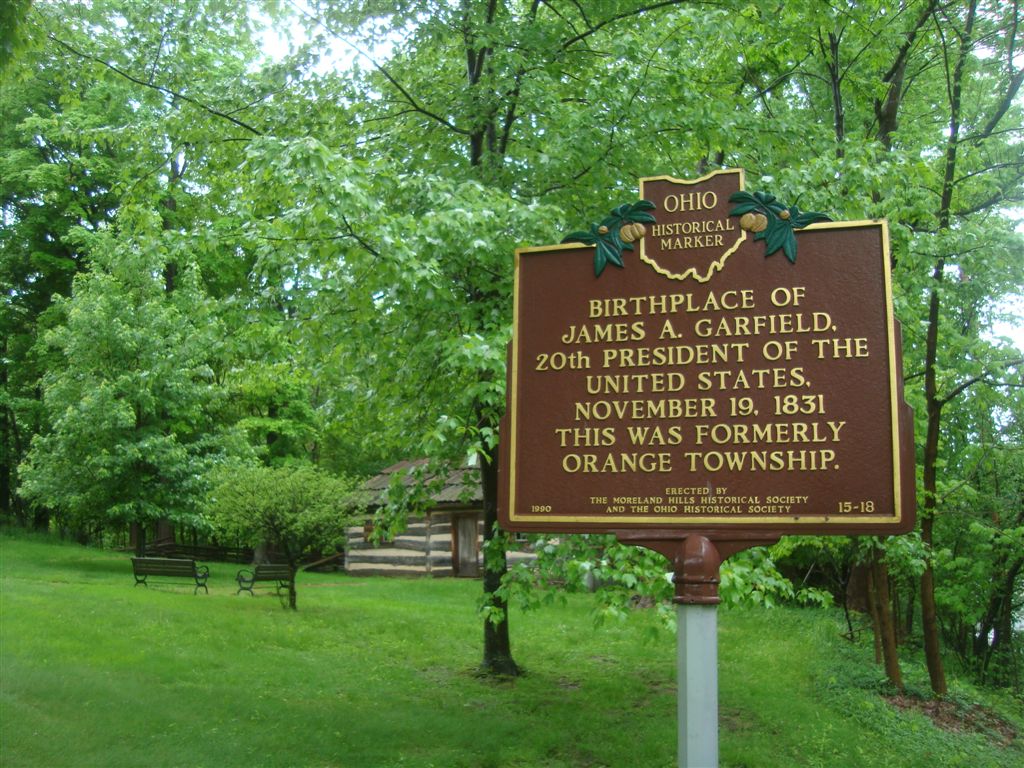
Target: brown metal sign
[{"x": 739, "y": 372}]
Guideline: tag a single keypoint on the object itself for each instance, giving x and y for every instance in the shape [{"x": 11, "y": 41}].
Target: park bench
[
  {"x": 280, "y": 573},
  {"x": 170, "y": 567}
]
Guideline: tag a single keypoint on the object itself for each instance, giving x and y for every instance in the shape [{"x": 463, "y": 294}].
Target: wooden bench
[
  {"x": 277, "y": 572},
  {"x": 170, "y": 567}
]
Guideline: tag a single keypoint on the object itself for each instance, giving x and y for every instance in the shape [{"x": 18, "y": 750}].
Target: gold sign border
[
  {"x": 717, "y": 264},
  {"x": 625, "y": 521}
]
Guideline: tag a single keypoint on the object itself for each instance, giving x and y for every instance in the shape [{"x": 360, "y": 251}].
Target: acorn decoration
[
  {"x": 772, "y": 221},
  {"x": 616, "y": 233},
  {"x": 632, "y": 231},
  {"x": 754, "y": 222}
]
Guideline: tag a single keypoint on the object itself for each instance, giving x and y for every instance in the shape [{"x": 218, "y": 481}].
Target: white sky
[{"x": 339, "y": 54}]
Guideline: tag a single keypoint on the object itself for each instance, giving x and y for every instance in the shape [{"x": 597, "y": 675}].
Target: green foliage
[
  {"x": 622, "y": 576},
  {"x": 110, "y": 173},
  {"x": 12, "y": 33},
  {"x": 752, "y": 577},
  {"x": 625, "y": 577},
  {"x": 295, "y": 509},
  {"x": 128, "y": 396},
  {"x": 405, "y": 286},
  {"x": 979, "y": 562},
  {"x": 271, "y": 403}
]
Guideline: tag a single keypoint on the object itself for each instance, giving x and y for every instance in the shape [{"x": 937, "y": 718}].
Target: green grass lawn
[{"x": 377, "y": 672}]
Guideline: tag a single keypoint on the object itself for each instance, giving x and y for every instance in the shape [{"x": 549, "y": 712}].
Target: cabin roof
[{"x": 459, "y": 488}]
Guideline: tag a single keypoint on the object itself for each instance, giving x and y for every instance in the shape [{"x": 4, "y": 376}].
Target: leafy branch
[
  {"x": 772, "y": 221},
  {"x": 161, "y": 88},
  {"x": 615, "y": 233}
]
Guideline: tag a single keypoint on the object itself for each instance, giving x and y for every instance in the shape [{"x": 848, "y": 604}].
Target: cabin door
[{"x": 465, "y": 546}]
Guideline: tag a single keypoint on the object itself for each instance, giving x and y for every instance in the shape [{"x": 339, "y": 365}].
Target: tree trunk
[
  {"x": 40, "y": 517},
  {"x": 164, "y": 526},
  {"x": 293, "y": 569},
  {"x": 6, "y": 452},
  {"x": 261, "y": 553},
  {"x": 929, "y": 622},
  {"x": 485, "y": 153},
  {"x": 880, "y": 579},
  {"x": 998, "y": 625},
  {"x": 887, "y": 112},
  {"x": 164, "y": 531},
  {"x": 497, "y": 646},
  {"x": 897, "y": 613},
  {"x": 137, "y": 538},
  {"x": 876, "y": 621},
  {"x": 831, "y": 53},
  {"x": 930, "y": 625},
  {"x": 908, "y": 629}
]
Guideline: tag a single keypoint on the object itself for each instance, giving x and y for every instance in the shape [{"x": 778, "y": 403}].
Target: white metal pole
[{"x": 697, "y": 682}]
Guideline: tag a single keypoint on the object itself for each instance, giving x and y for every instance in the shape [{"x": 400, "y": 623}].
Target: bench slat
[
  {"x": 144, "y": 567},
  {"x": 279, "y": 572},
  {"x": 271, "y": 572},
  {"x": 154, "y": 569}
]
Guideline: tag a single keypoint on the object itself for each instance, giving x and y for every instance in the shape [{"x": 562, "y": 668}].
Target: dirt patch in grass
[{"x": 957, "y": 718}]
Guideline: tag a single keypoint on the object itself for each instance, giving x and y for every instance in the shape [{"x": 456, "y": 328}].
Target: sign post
[
  {"x": 697, "y": 653},
  {"x": 696, "y": 561},
  {"x": 697, "y": 671},
  {"x": 705, "y": 370}
]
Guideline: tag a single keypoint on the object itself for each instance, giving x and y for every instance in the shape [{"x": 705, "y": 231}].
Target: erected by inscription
[{"x": 705, "y": 385}]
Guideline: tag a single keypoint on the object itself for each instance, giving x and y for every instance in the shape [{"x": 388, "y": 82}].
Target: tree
[
  {"x": 296, "y": 510},
  {"x": 119, "y": 134},
  {"x": 474, "y": 89},
  {"x": 981, "y": 559},
  {"x": 977, "y": 116},
  {"x": 54, "y": 181},
  {"x": 129, "y": 396},
  {"x": 424, "y": 323},
  {"x": 12, "y": 19}
]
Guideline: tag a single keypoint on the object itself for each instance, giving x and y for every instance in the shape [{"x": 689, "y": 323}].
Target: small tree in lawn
[{"x": 295, "y": 510}]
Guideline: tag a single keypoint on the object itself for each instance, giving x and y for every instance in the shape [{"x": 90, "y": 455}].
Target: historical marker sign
[{"x": 740, "y": 371}]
